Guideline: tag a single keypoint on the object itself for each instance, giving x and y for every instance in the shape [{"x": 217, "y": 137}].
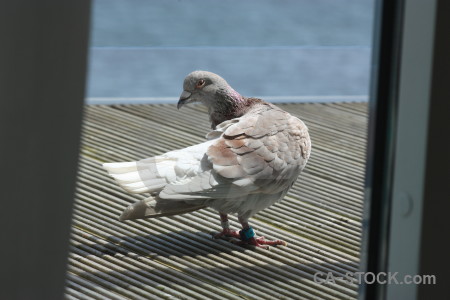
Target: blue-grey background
[{"x": 283, "y": 50}]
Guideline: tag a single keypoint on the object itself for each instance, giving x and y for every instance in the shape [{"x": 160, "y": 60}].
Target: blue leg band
[{"x": 247, "y": 234}]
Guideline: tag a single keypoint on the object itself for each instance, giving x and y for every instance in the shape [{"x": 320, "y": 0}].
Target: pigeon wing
[{"x": 261, "y": 152}]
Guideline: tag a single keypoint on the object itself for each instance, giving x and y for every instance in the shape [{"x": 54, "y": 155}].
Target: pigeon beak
[{"x": 183, "y": 98}]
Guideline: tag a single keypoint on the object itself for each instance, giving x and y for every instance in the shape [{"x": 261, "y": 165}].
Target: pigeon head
[
  {"x": 209, "y": 89},
  {"x": 222, "y": 101}
]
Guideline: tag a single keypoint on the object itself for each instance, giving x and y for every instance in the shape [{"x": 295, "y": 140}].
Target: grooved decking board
[{"x": 175, "y": 257}]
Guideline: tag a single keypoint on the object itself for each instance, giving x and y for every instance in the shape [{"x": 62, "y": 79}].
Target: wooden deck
[{"x": 175, "y": 257}]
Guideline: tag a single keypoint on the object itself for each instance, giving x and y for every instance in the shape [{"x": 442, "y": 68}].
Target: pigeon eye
[{"x": 200, "y": 83}]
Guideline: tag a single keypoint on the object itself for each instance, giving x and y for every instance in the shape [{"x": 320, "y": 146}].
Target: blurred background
[{"x": 281, "y": 50}]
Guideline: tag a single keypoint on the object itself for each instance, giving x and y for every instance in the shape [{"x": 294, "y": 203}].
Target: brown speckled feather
[{"x": 272, "y": 146}]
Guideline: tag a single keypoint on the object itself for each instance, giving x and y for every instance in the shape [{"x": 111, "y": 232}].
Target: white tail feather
[
  {"x": 154, "y": 208},
  {"x": 137, "y": 176}
]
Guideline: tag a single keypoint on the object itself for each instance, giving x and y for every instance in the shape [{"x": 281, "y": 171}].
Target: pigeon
[{"x": 250, "y": 159}]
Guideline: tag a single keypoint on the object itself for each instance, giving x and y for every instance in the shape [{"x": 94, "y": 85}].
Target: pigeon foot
[
  {"x": 239, "y": 238},
  {"x": 263, "y": 243},
  {"x": 247, "y": 236},
  {"x": 227, "y": 232},
  {"x": 260, "y": 242}
]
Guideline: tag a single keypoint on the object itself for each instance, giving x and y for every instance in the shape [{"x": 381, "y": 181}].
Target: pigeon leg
[
  {"x": 226, "y": 231},
  {"x": 247, "y": 235}
]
